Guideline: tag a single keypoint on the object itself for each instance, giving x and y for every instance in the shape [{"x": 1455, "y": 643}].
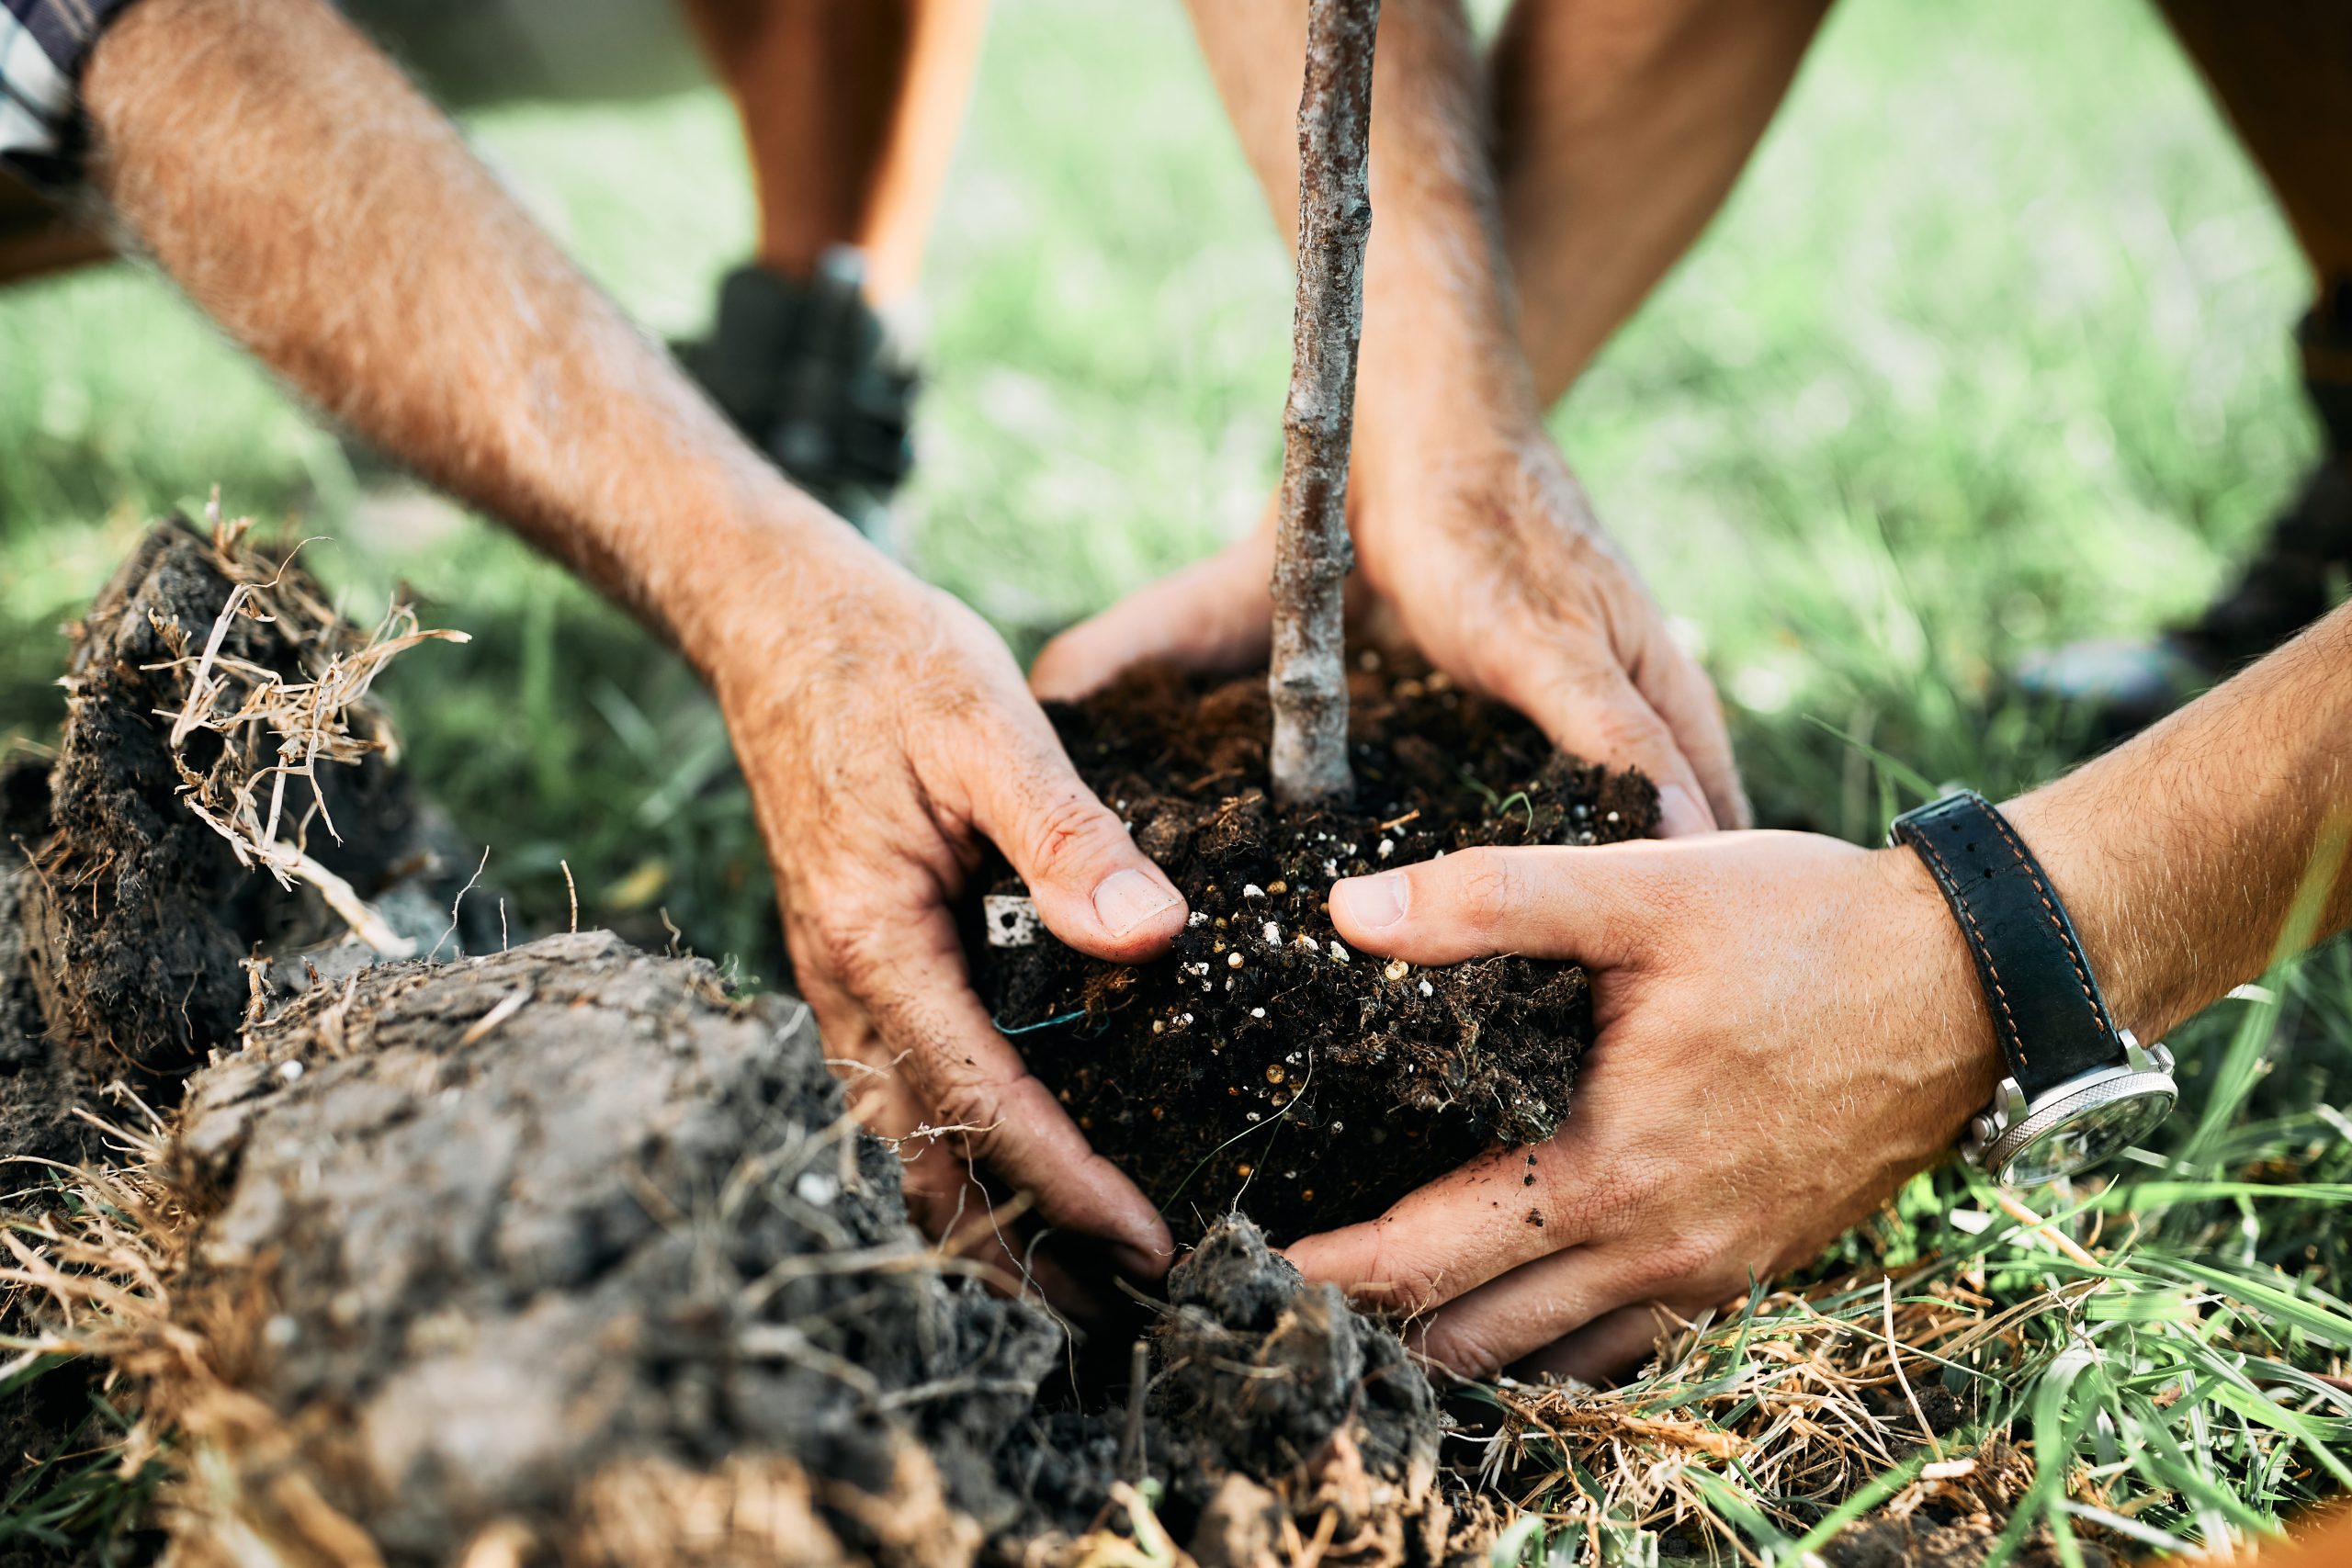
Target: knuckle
[
  {"x": 1485, "y": 891},
  {"x": 1404, "y": 1276},
  {"x": 1621, "y": 1200},
  {"x": 849, "y": 951},
  {"x": 1470, "y": 1350},
  {"x": 1066, "y": 831},
  {"x": 1625, "y": 724},
  {"x": 1677, "y": 1262},
  {"x": 1569, "y": 675},
  {"x": 971, "y": 1106}
]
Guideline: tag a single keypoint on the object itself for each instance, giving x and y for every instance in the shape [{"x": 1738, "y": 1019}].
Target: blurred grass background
[{"x": 1989, "y": 350}]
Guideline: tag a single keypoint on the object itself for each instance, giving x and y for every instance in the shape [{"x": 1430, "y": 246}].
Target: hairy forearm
[
  {"x": 2182, "y": 855},
  {"x": 1437, "y": 315},
  {"x": 283, "y": 173},
  {"x": 1620, "y": 126}
]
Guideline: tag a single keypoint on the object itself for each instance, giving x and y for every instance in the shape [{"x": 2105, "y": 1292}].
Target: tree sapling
[{"x": 1312, "y": 554}]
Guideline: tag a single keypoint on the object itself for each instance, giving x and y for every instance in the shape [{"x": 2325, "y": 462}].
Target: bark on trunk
[{"x": 1311, "y": 555}]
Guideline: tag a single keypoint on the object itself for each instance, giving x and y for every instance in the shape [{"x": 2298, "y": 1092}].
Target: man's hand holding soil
[
  {"x": 1468, "y": 525},
  {"x": 1788, "y": 1026},
  {"x": 884, "y": 730}
]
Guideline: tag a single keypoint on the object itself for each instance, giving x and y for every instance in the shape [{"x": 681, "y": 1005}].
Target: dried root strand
[{"x": 273, "y": 729}]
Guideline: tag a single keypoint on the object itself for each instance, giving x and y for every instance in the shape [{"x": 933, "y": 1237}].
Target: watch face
[{"x": 2088, "y": 1135}]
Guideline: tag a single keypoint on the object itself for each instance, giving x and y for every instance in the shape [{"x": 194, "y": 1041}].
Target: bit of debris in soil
[{"x": 1261, "y": 1063}]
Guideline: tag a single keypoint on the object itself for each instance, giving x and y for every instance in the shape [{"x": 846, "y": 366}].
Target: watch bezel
[{"x": 2012, "y": 1124}]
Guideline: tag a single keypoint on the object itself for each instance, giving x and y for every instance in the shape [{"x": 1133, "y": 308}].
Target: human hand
[
  {"x": 885, "y": 731},
  {"x": 1484, "y": 549},
  {"x": 1787, "y": 1027}
]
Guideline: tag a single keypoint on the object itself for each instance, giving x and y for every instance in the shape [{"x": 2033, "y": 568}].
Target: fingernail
[
  {"x": 1125, "y": 899},
  {"x": 1372, "y": 902},
  {"x": 1679, "y": 814}
]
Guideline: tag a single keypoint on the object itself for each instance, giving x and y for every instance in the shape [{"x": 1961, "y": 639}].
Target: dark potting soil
[{"x": 1261, "y": 1064}]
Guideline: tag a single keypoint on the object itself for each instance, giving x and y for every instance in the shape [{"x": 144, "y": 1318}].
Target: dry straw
[{"x": 274, "y": 731}]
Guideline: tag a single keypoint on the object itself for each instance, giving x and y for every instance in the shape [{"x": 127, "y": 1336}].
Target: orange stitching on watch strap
[
  {"x": 1984, "y": 951},
  {"x": 2050, "y": 907}
]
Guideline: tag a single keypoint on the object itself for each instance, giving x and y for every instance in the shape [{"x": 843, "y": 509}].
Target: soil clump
[
  {"x": 568, "y": 1245},
  {"x": 1262, "y": 1065},
  {"x": 496, "y": 1242},
  {"x": 125, "y": 918},
  {"x": 1275, "y": 1403}
]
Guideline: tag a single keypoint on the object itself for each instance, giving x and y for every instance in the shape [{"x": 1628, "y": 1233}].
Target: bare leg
[
  {"x": 2282, "y": 73},
  {"x": 37, "y": 236},
  {"x": 851, "y": 112},
  {"x": 1620, "y": 128}
]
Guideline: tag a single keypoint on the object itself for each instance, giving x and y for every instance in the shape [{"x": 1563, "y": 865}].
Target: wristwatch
[{"x": 2078, "y": 1090}]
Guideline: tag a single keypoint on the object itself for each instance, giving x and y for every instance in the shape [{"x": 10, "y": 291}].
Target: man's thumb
[
  {"x": 1092, "y": 887},
  {"x": 1543, "y": 902}
]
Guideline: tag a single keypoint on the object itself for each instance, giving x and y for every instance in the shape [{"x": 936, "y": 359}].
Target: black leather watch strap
[{"x": 2047, "y": 1011}]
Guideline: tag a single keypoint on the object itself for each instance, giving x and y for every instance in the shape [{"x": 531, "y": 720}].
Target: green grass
[{"x": 1990, "y": 349}]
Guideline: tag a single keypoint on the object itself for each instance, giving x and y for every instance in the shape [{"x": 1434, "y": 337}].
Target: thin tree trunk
[{"x": 1311, "y": 555}]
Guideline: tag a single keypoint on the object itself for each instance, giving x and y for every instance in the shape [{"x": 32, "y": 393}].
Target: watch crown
[
  {"x": 1982, "y": 1128},
  {"x": 2155, "y": 1058}
]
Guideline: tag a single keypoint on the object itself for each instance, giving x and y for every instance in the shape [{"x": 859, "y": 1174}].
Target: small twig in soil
[
  {"x": 459, "y": 903},
  {"x": 1131, "y": 1457},
  {"x": 1307, "y": 679},
  {"x": 513, "y": 1003}
]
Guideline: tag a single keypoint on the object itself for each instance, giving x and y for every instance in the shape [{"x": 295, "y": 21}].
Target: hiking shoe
[
  {"x": 807, "y": 371},
  {"x": 2120, "y": 686},
  {"x": 2299, "y": 574},
  {"x": 2302, "y": 570}
]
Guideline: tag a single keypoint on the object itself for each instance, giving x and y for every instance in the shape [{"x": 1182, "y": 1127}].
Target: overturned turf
[
  {"x": 568, "y": 1247},
  {"x": 494, "y": 1243},
  {"x": 130, "y": 917}
]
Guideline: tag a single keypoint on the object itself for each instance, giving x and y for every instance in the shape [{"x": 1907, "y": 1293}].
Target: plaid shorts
[{"x": 43, "y": 46}]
